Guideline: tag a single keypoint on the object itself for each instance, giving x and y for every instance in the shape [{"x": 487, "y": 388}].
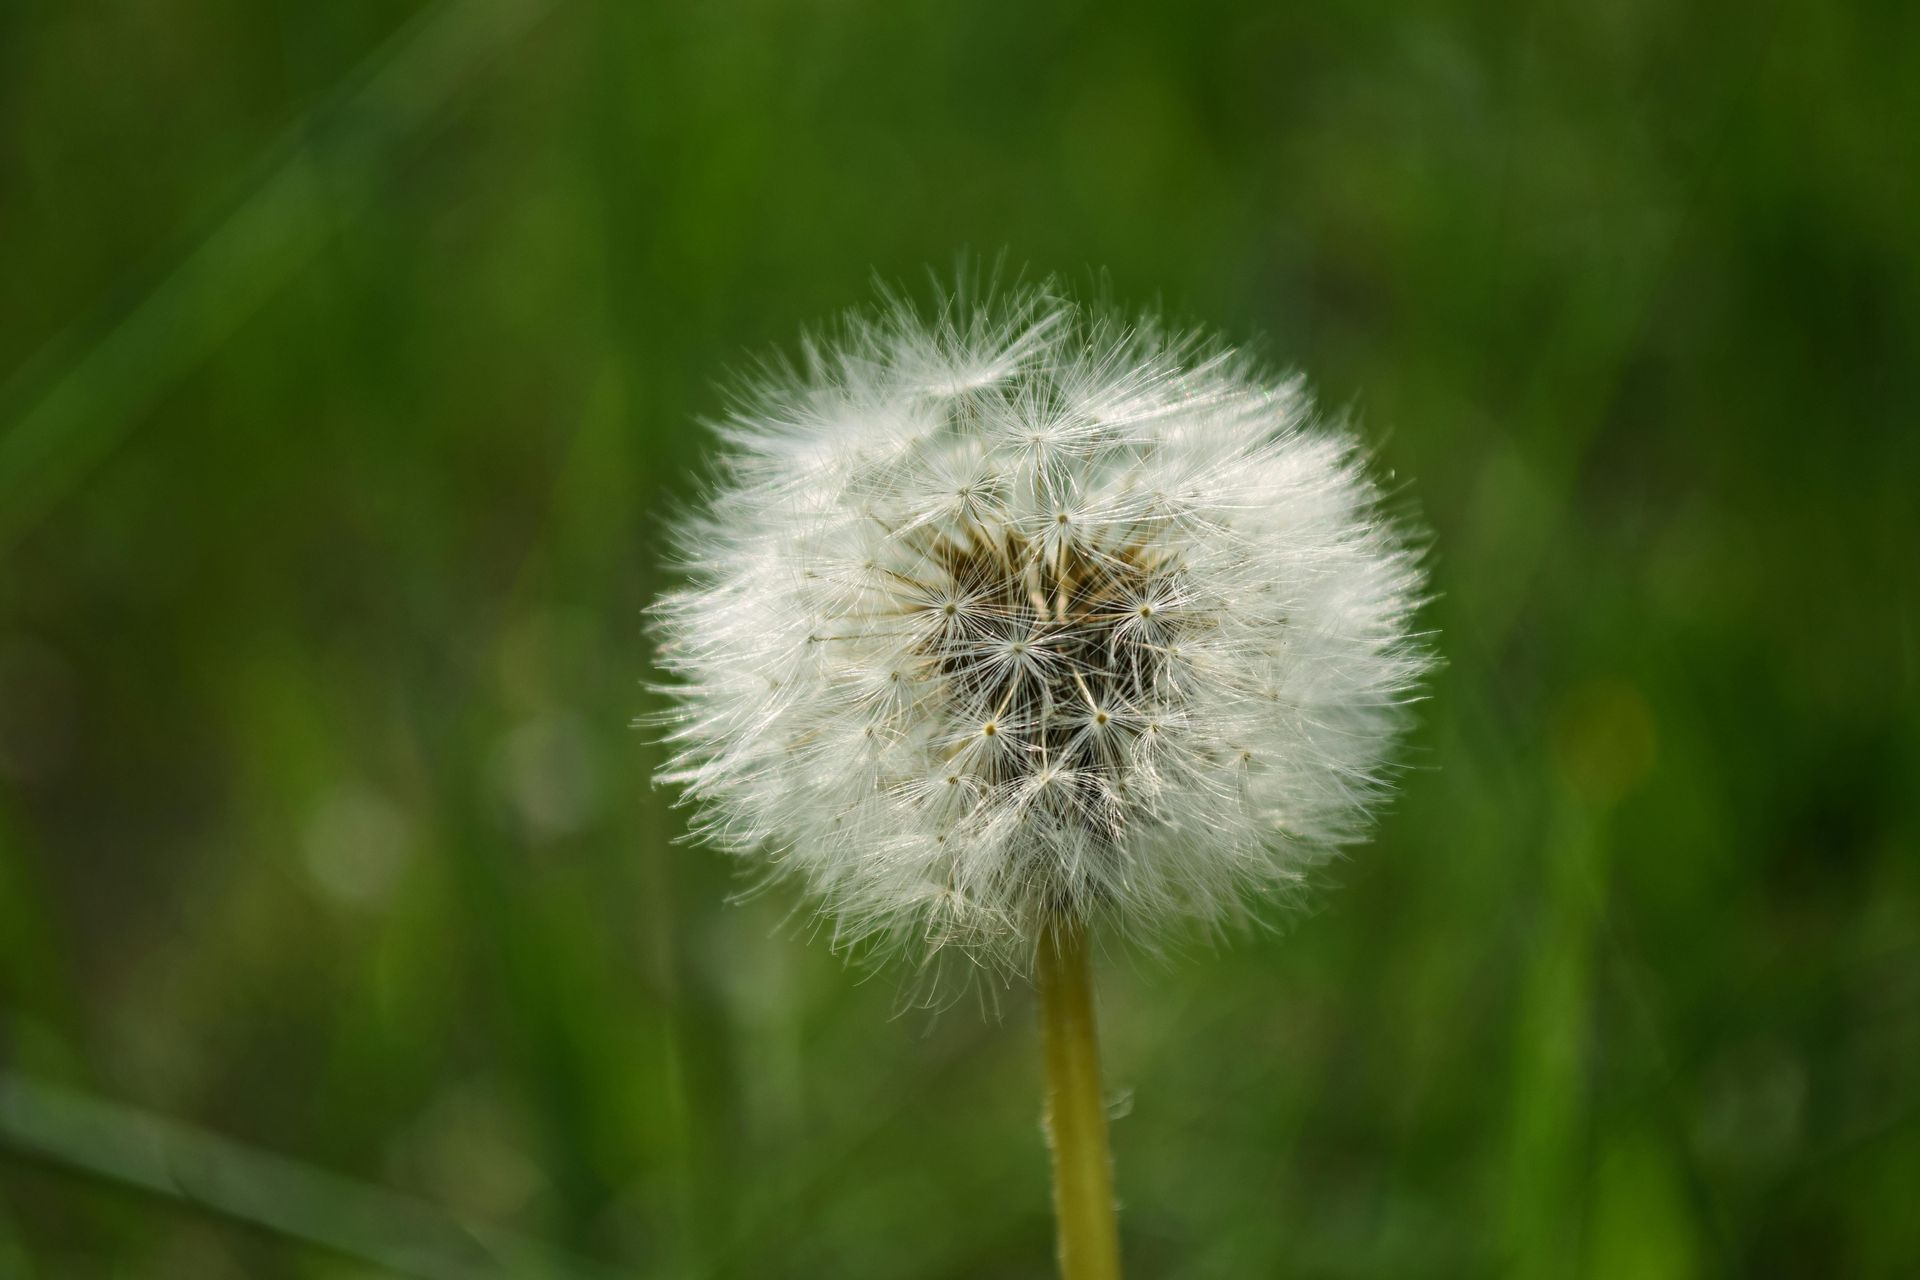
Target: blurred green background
[{"x": 350, "y": 358}]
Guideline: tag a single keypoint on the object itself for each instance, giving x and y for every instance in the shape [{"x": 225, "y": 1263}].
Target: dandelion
[{"x": 1024, "y": 621}]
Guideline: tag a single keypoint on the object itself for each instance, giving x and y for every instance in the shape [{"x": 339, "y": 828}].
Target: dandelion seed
[{"x": 1125, "y": 585}]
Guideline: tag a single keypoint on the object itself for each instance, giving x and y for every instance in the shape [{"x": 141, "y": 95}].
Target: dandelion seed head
[{"x": 1021, "y": 611}]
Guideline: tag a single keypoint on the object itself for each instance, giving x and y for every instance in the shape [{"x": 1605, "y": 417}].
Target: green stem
[{"x": 1076, "y": 1114}]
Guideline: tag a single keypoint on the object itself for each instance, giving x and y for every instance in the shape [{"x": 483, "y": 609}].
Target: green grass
[{"x": 350, "y": 363}]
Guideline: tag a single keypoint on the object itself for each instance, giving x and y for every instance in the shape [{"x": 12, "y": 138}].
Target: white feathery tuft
[{"x": 1023, "y": 612}]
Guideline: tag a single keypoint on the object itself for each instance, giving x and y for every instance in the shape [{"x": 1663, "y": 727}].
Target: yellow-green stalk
[{"x": 1083, "y": 1207}]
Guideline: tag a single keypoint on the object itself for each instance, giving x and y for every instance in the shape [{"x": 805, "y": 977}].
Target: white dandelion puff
[{"x": 1023, "y": 615}]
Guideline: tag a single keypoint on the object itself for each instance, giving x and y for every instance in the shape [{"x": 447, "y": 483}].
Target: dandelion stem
[{"x": 1089, "y": 1239}]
